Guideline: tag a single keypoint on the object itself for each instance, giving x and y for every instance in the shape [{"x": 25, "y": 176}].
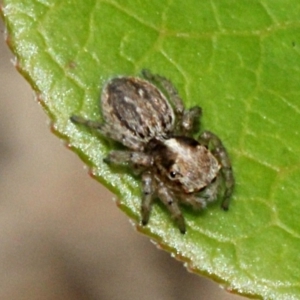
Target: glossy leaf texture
[{"x": 238, "y": 60}]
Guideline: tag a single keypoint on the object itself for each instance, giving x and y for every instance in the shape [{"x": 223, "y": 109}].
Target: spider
[{"x": 148, "y": 117}]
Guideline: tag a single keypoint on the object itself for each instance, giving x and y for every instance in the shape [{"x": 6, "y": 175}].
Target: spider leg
[
  {"x": 88, "y": 123},
  {"x": 108, "y": 131},
  {"x": 208, "y": 138},
  {"x": 172, "y": 206},
  {"x": 196, "y": 202},
  {"x": 199, "y": 201},
  {"x": 190, "y": 122},
  {"x": 136, "y": 158},
  {"x": 147, "y": 199},
  {"x": 188, "y": 119}
]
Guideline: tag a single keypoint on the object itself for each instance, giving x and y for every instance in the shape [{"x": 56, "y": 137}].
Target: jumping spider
[{"x": 158, "y": 132}]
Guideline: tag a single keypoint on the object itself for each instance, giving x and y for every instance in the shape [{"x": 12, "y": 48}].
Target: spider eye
[{"x": 173, "y": 174}]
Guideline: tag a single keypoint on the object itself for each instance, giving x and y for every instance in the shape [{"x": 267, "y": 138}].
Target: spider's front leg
[
  {"x": 208, "y": 139},
  {"x": 172, "y": 205},
  {"x": 199, "y": 201},
  {"x": 147, "y": 198}
]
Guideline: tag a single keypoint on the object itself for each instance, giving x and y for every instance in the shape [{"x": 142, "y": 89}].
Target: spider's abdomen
[{"x": 137, "y": 109}]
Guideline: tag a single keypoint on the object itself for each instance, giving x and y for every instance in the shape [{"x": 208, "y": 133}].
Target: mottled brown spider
[{"x": 148, "y": 117}]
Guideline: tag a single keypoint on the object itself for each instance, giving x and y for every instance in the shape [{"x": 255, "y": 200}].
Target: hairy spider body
[{"x": 158, "y": 132}]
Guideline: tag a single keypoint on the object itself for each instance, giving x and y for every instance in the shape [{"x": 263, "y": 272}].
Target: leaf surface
[{"x": 240, "y": 62}]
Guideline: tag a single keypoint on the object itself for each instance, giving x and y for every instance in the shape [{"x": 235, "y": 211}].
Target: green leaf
[{"x": 238, "y": 60}]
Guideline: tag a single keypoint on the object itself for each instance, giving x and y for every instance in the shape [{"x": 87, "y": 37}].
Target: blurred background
[{"x": 61, "y": 235}]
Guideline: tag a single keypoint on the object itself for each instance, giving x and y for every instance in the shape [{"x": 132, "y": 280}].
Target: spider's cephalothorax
[{"x": 158, "y": 132}]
